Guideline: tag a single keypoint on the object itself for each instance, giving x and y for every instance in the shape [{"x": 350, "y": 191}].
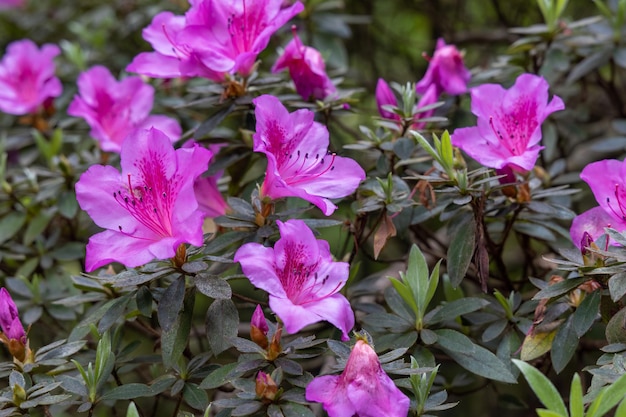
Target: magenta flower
[
  {"x": 446, "y": 71},
  {"x": 302, "y": 280},
  {"x": 7, "y": 4},
  {"x": 116, "y": 109},
  {"x": 607, "y": 180},
  {"x": 150, "y": 208},
  {"x": 509, "y": 123},
  {"x": 298, "y": 162},
  {"x": 27, "y": 78},
  {"x": 172, "y": 57},
  {"x": 306, "y": 68},
  {"x": 363, "y": 389},
  {"x": 10, "y": 319},
  {"x": 210, "y": 200}
]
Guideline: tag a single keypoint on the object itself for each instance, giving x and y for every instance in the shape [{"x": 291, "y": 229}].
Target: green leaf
[
  {"x": 454, "y": 309},
  {"x": 461, "y": 250},
  {"x": 212, "y": 286},
  {"x": 564, "y": 345},
  {"x": 621, "y": 409},
  {"x": 617, "y": 286},
  {"x": 587, "y": 313},
  {"x": 218, "y": 377},
  {"x": 576, "y": 406},
  {"x": 214, "y": 119},
  {"x": 542, "y": 412},
  {"x": 195, "y": 397},
  {"x": 174, "y": 341},
  {"x": 222, "y": 322},
  {"x": 128, "y": 392},
  {"x": 114, "y": 312},
  {"x": 36, "y": 226},
  {"x": 132, "y": 410},
  {"x": 296, "y": 410},
  {"x": 559, "y": 288},
  {"x": 171, "y": 303},
  {"x": 405, "y": 292},
  {"x": 68, "y": 206},
  {"x": 536, "y": 344},
  {"x": 11, "y": 224},
  {"x": 608, "y": 398},
  {"x": 472, "y": 357},
  {"x": 542, "y": 387},
  {"x": 616, "y": 327}
]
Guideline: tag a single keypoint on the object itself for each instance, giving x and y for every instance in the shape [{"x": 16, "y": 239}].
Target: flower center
[
  {"x": 243, "y": 29},
  {"x": 301, "y": 168},
  {"x": 151, "y": 199},
  {"x": 617, "y": 206}
]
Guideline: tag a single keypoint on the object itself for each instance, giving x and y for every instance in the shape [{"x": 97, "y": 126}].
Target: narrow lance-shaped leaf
[{"x": 542, "y": 387}]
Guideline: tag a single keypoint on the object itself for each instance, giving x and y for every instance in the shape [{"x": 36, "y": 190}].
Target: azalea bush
[{"x": 224, "y": 208}]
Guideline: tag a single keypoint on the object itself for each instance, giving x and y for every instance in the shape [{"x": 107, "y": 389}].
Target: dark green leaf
[
  {"x": 564, "y": 345},
  {"x": 115, "y": 311},
  {"x": 128, "y": 392},
  {"x": 195, "y": 397},
  {"x": 461, "y": 250},
  {"x": 171, "y": 304},
  {"x": 559, "y": 288},
  {"x": 11, "y": 224},
  {"x": 587, "y": 312},
  {"x": 542, "y": 387},
  {"x": 218, "y": 377},
  {"x": 214, "y": 120},
  {"x": 174, "y": 341},
  {"x": 36, "y": 226},
  {"x": 454, "y": 309},
  {"x": 616, "y": 327},
  {"x": 68, "y": 206},
  {"x": 617, "y": 286},
  {"x": 296, "y": 410},
  {"x": 472, "y": 357},
  {"x": 212, "y": 286},
  {"x": 222, "y": 322}
]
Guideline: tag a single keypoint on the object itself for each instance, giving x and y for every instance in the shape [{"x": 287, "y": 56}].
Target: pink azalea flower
[
  {"x": 299, "y": 164},
  {"x": 306, "y": 68},
  {"x": 7, "y": 4},
  {"x": 116, "y": 109},
  {"x": 9, "y": 318},
  {"x": 27, "y": 78},
  {"x": 385, "y": 96},
  {"x": 150, "y": 208},
  {"x": 363, "y": 389},
  {"x": 607, "y": 180},
  {"x": 446, "y": 71},
  {"x": 210, "y": 200},
  {"x": 301, "y": 278},
  {"x": 509, "y": 123},
  {"x": 228, "y": 35},
  {"x": 172, "y": 57}
]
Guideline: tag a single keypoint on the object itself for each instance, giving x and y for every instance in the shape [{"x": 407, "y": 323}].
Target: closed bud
[
  {"x": 275, "y": 349},
  {"x": 265, "y": 388},
  {"x": 259, "y": 328}
]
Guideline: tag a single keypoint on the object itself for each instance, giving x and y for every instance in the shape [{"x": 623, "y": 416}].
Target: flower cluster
[
  {"x": 215, "y": 38},
  {"x": 27, "y": 80}
]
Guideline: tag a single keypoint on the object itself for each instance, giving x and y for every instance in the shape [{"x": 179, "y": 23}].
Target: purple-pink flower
[
  {"x": 306, "y": 68},
  {"x": 363, "y": 389},
  {"x": 150, "y": 208},
  {"x": 172, "y": 57},
  {"x": 213, "y": 39},
  {"x": 509, "y": 123},
  {"x": 607, "y": 180},
  {"x": 10, "y": 319},
  {"x": 301, "y": 278},
  {"x": 446, "y": 71},
  {"x": 385, "y": 96},
  {"x": 115, "y": 109},
  {"x": 27, "y": 79},
  {"x": 7, "y": 4},
  {"x": 298, "y": 161}
]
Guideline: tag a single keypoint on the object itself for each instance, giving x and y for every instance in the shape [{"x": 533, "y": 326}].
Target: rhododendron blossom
[
  {"x": 385, "y": 96},
  {"x": 446, "y": 71},
  {"x": 213, "y": 39},
  {"x": 509, "y": 123},
  {"x": 27, "y": 79},
  {"x": 363, "y": 389},
  {"x": 10, "y": 319},
  {"x": 6, "y": 4},
  {"x": 306, "y": 68},
  {"x": 607, "y": 180},
  {"x": 301, "y": 278},
  {"x": 172, "y": 58},
  {"x": 116, "y": 109},
  {"x": 298, "y": 162},
  {"x": 150, "y": 208}
]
